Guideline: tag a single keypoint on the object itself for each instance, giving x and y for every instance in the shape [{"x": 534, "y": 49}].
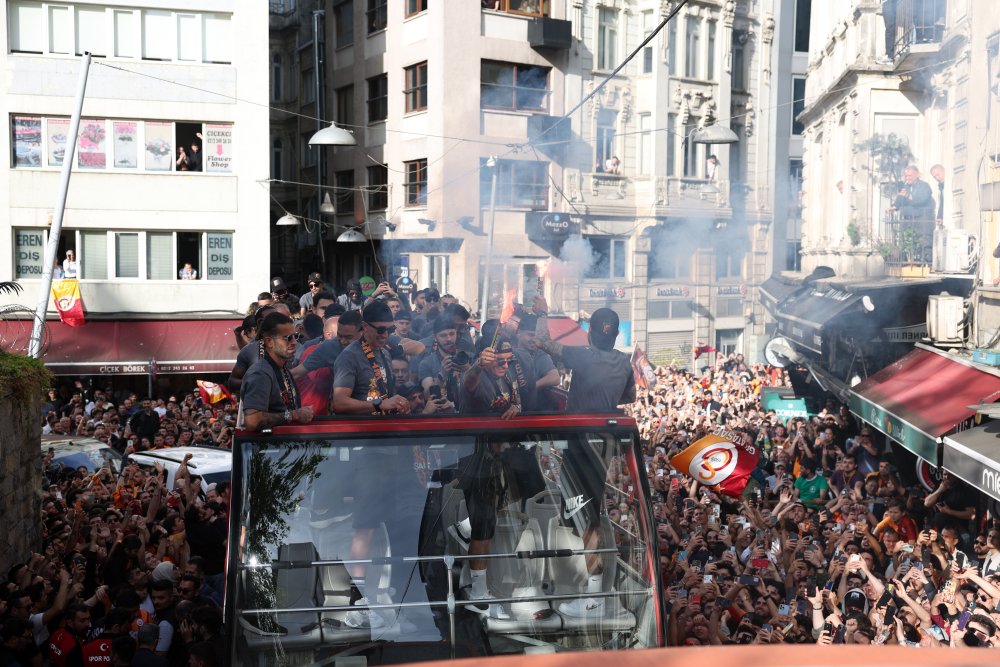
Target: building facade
[
  {"x": 677, "y": 246},
  {"x": 142, "y": 203}
]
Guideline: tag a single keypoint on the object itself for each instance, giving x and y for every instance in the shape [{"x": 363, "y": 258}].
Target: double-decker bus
[{"x": 359, "y": 541}]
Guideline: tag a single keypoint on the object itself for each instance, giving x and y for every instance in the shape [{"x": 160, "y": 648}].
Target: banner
[
  {"x": 642, "y": 369},
  {"x": 69, "y": 304},
  {"x": 723, "y": 459},
  {"x": 212, "y": 393}
]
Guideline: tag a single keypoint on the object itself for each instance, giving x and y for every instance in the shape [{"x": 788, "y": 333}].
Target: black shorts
[
  {"x": 583, "y": 479},
  {"x": 479, "y": 479}
]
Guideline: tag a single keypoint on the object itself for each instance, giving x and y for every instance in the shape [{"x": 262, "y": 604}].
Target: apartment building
[
  {"x": 443, "y": 96},
  {"x": 170, "y": 169}
]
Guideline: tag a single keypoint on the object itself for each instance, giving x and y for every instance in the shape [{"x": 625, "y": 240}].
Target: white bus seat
[
  {"x": 569, "y": 576},
  {"x": 295, "y": 588},
  {"x": 543, "y": 507},
  {"x": 524, "y": 578}
]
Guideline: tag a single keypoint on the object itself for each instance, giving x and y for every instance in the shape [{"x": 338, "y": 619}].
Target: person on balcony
[{"x": 915, "y": 206}]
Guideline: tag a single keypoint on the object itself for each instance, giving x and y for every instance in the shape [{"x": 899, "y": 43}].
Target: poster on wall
[
  {"x": 159, "y": 145},
  {"x": 91, "y": 151},
  {"x": 218, "y": 147},
  {"x": 27, "y": 141},
  {"x": 56, "y": 131},
  {"x": 126, "y": 151}
]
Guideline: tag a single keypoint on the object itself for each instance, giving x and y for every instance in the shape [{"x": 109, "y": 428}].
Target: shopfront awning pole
[{"x": 52, "y": 248}]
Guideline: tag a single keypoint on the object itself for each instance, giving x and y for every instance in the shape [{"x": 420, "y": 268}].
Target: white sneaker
[
  {"x": 582, "y": 608},
  {"x": 462, "y": 533},
  {"x": 364, "y": 617},
  {"x": 484, "y": 607}
]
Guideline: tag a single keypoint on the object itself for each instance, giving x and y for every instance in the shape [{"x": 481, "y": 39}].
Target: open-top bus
[{"x": 350, "y": 540}]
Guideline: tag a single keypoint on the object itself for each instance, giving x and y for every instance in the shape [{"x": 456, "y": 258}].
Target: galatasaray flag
[
  {"x": 212, "y": 393},
  {"x": 723, "y": 459},
  {"x": 69, "y": 305},
  {"x": 642, "y": 370}
]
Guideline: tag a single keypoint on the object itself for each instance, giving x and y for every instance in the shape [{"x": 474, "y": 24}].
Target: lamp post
[{"x": 52, "y": 247}]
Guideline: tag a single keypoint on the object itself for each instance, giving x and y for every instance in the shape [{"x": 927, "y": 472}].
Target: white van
[{"x": 211, "y": 463}]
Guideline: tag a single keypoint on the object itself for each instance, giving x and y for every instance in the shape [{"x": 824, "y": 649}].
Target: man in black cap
[
  {"x": 602, "y": 376},
  {"x": 307, "y": 300},
  {"x": 354, "y": 299},
  {"x": 269, "y": 395},
  {"x": 280, "y": 294},
  {"x": 443, "y": 366},
  {"x": 403, "y": 320},
  {"x": 424, "y": 320},
  {"x": 363, "y": 382},
  {"x": 546, "y": 374}
]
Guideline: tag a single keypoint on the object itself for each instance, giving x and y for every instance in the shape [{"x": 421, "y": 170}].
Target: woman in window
[{"x": 70, "y": 267}]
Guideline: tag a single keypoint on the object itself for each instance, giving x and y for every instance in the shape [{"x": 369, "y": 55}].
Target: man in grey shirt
[{"x": 602, "y": 376}]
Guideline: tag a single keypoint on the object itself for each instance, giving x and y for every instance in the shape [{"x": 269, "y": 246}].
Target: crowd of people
[{"x": 827, "y": 544}]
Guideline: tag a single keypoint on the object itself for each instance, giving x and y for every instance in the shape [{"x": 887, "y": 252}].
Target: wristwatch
[
  {"x": 377, "y": 404},
  {"x": 287, "y": 415}
]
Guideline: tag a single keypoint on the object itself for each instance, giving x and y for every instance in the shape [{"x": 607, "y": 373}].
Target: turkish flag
[
  {"x": 723, "y": 459},
  {"x": 69, "y": 304}
]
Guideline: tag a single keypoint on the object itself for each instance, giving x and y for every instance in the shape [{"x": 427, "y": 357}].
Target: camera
[{"x": 461, "y": 358}]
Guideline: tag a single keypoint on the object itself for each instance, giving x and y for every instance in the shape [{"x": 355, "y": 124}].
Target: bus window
[{"x": 356, "y": 546}]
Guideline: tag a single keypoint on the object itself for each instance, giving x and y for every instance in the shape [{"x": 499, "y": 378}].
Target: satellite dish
[{"x": 779, "y": 352}]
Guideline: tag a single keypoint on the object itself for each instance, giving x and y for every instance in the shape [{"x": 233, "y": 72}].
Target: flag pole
[{"x": 52, "y": 248}]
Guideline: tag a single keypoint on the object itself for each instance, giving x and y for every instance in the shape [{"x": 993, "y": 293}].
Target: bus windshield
[{"x": 408, "y": 546}]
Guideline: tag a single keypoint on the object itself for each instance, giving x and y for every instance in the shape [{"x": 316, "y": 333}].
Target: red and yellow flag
[
  {"x": 642, "y": 370},
  {"x": 212, "y": 393},
  {"x": 723, "y": 459},
  {"x": 69, "y": 305}
]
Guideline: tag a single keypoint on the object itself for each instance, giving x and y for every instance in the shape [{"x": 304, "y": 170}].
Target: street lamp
[
  {"x": 287, "y": 220},
  {"x": 713, "y": 134},
  {"x": 352, "y": 235},
  {"x": 333, "y": 136}
]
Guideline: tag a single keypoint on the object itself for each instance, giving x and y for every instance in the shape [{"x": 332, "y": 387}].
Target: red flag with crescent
[{"x": 723, "y": 459}]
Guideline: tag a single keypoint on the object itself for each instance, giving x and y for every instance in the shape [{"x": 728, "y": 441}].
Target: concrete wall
[{"x": 20, "y": 474}]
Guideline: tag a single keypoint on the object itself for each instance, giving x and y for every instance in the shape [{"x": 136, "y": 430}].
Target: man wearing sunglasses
[
  {"x": 269, "y": 395},
  {"x": 307, "y": 300},
  {"x": 362, "y": 381},
  {"x": 490, "y": 386}
]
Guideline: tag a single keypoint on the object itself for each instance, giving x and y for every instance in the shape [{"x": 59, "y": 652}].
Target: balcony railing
[
  {"x": 917, "y": 22},
  {"x": 522, "y": 7},
  {"x": 908, "y": 245}
]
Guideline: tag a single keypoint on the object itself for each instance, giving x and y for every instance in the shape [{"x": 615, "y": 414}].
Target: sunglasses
[
  {"x": 432, "y": 299},
  {"x": 288, "y": 339},
  {"x": 382, "y": 330},
  {"x": 503, "y": 362}
]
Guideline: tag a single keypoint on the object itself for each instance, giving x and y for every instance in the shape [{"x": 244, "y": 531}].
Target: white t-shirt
[{"x": 70, "y": 268}]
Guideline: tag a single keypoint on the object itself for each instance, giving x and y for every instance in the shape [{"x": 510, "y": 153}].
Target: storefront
[{"x": 923, "y": 397}]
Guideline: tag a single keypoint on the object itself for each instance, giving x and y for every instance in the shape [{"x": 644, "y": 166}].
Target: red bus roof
[{"x": 448, "y": 423}]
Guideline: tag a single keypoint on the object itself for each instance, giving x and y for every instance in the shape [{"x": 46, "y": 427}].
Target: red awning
[
  {"x": 930, "y": 389},
  {"x": 566, "y": 331},
  {"x": 137, "y": 347}
]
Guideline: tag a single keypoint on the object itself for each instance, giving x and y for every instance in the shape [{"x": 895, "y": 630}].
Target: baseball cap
[
  {"x": 314, "y": 277},
  {"x": 404, "y": 315},
  {"x": 278, "y": 285},
  {"x": 604, "y": 328},
  {"x": 856, "y": 599},
  {"x": 376, "y": 311}
]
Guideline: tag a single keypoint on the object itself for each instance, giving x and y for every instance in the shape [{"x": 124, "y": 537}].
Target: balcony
[
  {"x": 539, "y": 8},
  {"x": 907, "y": 247},
  {"x": 919, "y": 30}
]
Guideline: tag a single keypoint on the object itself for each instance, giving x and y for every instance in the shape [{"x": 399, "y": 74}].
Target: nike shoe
[
  {"x": 483, "y": 607},
  {"x": 364, "y": 617},
  {"x": 462, "y": 532},
  {"x": 582, "y": 608}
]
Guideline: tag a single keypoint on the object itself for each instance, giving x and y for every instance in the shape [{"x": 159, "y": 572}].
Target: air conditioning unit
[
  {"x": 944, "y": 318},
  {"x": 954, "y": 251}
]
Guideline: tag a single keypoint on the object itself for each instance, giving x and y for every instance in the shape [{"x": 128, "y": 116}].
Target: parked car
[
  {"x": 89, "y": 453},
  {"x": 211, "y": 463}
]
